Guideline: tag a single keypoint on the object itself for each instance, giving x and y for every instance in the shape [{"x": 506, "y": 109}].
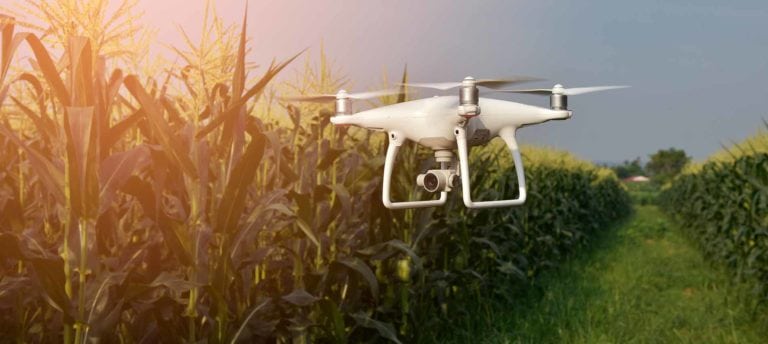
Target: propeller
[
  {"x": 559, "y": 89},
  {"x": 489, "y": 83},
  {"x": 342, "y": 94}
]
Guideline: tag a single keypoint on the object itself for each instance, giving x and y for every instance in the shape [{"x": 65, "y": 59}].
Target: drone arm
[
  {"x": 396, "y": 139},
  {"x": 508, "y": 135}
]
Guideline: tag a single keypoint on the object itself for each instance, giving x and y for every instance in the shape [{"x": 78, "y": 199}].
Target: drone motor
[
  {"x": 343, "y": 104},
  {"x": 468, "y": 98},
  {"x": 558, "y": 100}
]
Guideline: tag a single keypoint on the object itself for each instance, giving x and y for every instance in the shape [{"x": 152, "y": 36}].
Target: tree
[
  {"x": 629, "y": 168},
  {"x": 666, "y": 164}
]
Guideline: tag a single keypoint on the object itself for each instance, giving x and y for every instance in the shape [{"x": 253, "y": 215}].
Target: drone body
[
  {"x": 449, "y": 123},
  {"x": 430, "y": 121}
]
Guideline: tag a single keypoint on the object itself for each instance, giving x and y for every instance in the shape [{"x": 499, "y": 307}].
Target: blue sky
[{"x": 697, "y": 68}]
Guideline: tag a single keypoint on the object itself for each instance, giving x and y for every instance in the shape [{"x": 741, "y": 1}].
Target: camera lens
[{"x": 431, "y": 182}]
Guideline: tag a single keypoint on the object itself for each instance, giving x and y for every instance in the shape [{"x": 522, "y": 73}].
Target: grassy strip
[{"x": 641, "y": 283}]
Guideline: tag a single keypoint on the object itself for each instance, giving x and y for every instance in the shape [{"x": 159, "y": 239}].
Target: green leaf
[
  {"x": 358, "y": 265},
  {"x": 345, "y": 199},
  {"x": 176, "y": 284},
  {"x": 115, "y": 171},
  {"x": 6, "y": 51},
  {"x": 234, "y": 108},
  {"x": 80, "y": 69},
  {"x": 333, "y": 315},
  {"x": 50, "y": 175},
  {"x": 300, "y": 297},
  {"x": 233, "y": 201},
  {"x": 44, "y": 61},
  {"x": 395, "y": 243},
  {"x": 160, "y": 128},
  {"x": 386, "y": 330},
  {"x": 170, "y": 230},
  {"x": 308, "y": 232},
  {"x": 490, "y": 244},
  {"x": 78, "y": 127},
  {"x": 248, "y": 319},
  {"x": 330, "y": 157},
  {"x": 511, "y": 269},
  {"x": 116, "y": 132},
  {"x": 50, "y": 274}
]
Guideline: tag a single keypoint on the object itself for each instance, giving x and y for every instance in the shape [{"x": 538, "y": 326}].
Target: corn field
[
  {"x": 133, "y": 211},
  {"x": 724, "y": 207}
]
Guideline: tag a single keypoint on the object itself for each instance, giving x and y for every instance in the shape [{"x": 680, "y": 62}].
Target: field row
[
  {"x": 724, "y": 207},
  {"x": 133, "y": 211}
]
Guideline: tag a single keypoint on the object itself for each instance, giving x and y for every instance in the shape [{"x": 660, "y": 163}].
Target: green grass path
[{"x": 642, "y": 283}]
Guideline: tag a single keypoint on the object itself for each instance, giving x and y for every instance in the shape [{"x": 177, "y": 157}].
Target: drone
[{"x": 448, "y": 123}]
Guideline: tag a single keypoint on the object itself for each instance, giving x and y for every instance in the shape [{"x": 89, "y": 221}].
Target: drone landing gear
[
  {"x": 508, "y": 135},
  {"x": 444, "y": 179},
  {"x": 396, "y": 140}
]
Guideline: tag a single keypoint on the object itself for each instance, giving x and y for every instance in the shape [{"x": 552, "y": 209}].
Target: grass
[
  {"x": 642, "y": 193},
  {"x": 641, "y": 283}
]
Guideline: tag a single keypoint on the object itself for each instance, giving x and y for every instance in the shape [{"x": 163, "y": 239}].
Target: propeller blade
[
  {"x": 566, "y": 91},
  {"x": 499, "y": 83},
  {"x": 318, "y": 98},
  {"x": 583, "y": 90},
  {"x": 374, "y": 94},
  {"x": 435, "y": 85},
  {"x": 489, "y": 83},
  {"x": 326, "y": 98},
  {"x": 539, "y": 91}
]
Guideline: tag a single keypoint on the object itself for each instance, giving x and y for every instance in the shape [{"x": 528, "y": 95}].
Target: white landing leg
[{"x": 508, "y": 135}]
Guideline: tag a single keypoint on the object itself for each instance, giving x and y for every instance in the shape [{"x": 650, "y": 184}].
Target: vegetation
[
  {"x": 722, "y": 206},
  {"x": 113, "y": 30},
  {"x": 643, "y": 282},
  {"x": 642, "y": 193},
  {"x": 666, "y": 164},
  {"x": 757, "y": 143},
  {"x": 628, "y": 169},
  {"x": 132, "y": 211},
  {"x": 479, "y": 259}
]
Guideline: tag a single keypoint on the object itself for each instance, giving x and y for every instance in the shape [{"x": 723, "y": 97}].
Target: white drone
[{"x": 449, "y": 122}]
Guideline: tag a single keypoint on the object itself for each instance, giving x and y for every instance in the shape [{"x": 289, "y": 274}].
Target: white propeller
[
  {"x": 559, "y": 89},
  {"x": 342, "y": 94},
  {"x": 489, "y": 83}
]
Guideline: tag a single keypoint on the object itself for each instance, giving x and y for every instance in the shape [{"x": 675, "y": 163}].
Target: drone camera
[{"x": 438, "y": 180}]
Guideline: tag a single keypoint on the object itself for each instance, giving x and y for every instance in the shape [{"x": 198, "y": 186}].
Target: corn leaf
[
  {"x": 115, "y": 171},
  {"x": 360, "y": 267},
  {"x": 78, "y": 128},
  {"x": 300, "y": 297},
  {"x": 385, "y": 330},
  {"x": 233, "y": 201},
  {"x": 234, "y": 108},
  {"x": 50, "y": 175},
  {"x": 172, "y": 147}
]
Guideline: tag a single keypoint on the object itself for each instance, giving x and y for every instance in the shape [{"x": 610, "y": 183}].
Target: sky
[{"x": 697, "y": 68}]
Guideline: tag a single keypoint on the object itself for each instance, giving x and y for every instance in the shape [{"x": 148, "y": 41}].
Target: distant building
[{"x": 637, "y": 179}]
